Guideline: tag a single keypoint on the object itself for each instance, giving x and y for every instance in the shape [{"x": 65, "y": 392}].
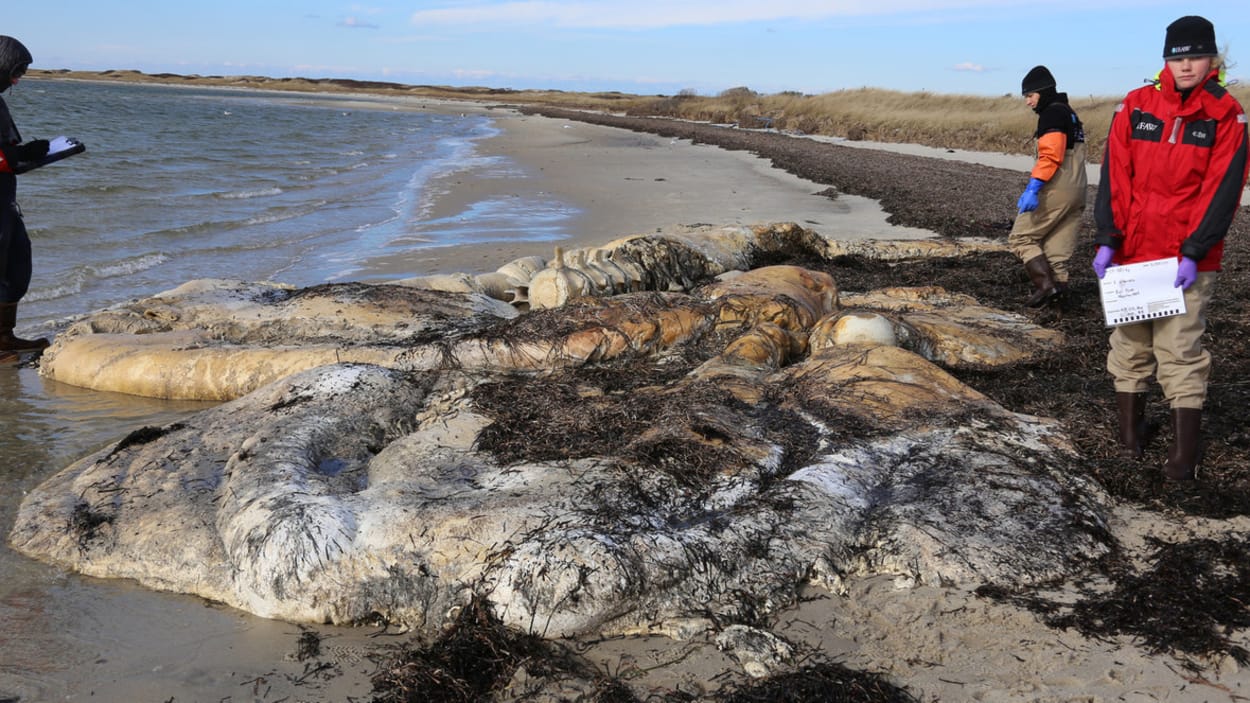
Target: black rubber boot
[
  {"x": 1043, "y": 278},
  {"x": 1185, "y": 451},
  {"x": 1131, "y": 409},
  {"x": 10, "y": 342}
]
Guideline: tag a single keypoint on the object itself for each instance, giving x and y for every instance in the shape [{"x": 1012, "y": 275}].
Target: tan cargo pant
[
  {"x": 1170, "y": 348},
  {"x": 1050, "y": 229}
]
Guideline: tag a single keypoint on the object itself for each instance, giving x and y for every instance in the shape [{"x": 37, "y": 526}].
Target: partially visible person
[
  {"x": 15, "y": 257},
  {"x": 1050, "y": 208},
  {"x": 1172, "y": 177}
]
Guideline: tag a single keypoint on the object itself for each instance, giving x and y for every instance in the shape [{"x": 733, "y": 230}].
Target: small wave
[
  {"x": 270, "y": 218},
  {"x": 247, "y": 194},
  {"x": 74, "y": 282},
  {"x": 63, "y": 289},
  {"x": 284, "y": 214},
  {"x": 114, "y": 188},
  {"x": 125, "y": 267},
  {"x": 317, "y": 175}
]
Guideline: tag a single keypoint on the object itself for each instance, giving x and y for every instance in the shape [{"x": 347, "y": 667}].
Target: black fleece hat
[
  {"x": 1189, "y": 36},
  {"x": 1036, "y": 80},
  {"x": 13, "y": 56}
]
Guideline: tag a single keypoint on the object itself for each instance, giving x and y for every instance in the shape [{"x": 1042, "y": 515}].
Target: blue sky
[{"x": 980, "y": 47}]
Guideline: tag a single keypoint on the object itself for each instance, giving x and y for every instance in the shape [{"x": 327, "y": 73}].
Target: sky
[{"x": 646, "y": 47}]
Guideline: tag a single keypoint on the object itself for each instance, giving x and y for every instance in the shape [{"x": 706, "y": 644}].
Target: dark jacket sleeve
[{"x": 1227, "y": 173}]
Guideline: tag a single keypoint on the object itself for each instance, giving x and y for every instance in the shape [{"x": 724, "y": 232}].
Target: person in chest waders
[
  {"x": 15, "y": 260},
  {"x": 1050, "y": 208}
]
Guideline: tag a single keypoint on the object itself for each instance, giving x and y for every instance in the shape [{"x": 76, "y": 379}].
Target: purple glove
[
  {"x": 1103, "y": 259},
  {"x": 1186, "y": 273}
]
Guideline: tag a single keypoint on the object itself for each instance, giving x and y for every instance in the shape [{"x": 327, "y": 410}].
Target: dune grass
[{"x": 1001, "y": 124}]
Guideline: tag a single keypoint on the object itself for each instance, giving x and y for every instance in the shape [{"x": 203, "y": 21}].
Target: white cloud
[
  {"x": 355, "y": 23},
  {"x": 970, "y": 67},
  {"x": 667, "y": 13}
]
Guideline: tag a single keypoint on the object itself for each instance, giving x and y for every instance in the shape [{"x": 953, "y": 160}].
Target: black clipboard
[{"x": 60, "y": 148}]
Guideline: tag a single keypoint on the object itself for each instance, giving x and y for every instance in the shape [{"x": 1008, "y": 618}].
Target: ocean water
[
  {"x": 182, "y": 183},
  {"x": 177, "y": 184}
]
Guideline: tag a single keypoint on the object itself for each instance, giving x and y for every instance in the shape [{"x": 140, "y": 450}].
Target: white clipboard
[
  {"x": 58, "y": 148},
  {"x": 1140, "y": 292}
]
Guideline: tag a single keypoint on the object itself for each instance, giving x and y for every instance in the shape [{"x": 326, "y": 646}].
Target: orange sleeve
[{"x": 1050, "y": 149}]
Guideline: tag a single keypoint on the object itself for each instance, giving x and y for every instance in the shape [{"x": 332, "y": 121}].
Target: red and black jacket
[{"x": 1172, "y": 173}]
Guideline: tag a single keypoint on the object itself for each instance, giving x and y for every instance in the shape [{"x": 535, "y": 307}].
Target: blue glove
[
  {"x": 1103, "y": 259},
  {"x": 1028, "y": 199},
  {"x": 1186, "y": 273}
]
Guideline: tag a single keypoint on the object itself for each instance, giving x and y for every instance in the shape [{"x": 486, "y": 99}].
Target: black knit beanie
[
  {"x": 1036, "y": 80},
  {"x": 13, "y": 55},
  {"x": 1190, "y": 36}
]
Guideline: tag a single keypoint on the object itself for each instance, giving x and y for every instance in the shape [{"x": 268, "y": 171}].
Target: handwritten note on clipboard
[{"x": 1141, "y": 292}]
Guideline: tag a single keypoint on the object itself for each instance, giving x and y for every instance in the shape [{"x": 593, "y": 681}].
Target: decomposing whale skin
[
  {"x": 789, "y": 447},
  {"x": 214, "y": 339},
  {"x": 350, "y": 491}
]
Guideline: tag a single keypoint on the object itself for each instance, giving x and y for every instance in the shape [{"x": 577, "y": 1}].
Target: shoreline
[
  {"x": 684, "y": 180},
  {"x": 677, "y": 181},
  {"x": 625, "y": 183}
]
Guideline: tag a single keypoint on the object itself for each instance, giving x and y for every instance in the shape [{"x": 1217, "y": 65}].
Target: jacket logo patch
[
  {"x": 1146, "y": 127},
  {"x": 1200, "y": 133}
]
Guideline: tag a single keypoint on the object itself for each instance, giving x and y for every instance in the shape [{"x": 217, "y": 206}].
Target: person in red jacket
[
  {"x": 1173, "y": 172},
  {"x": 1050, "y": 208},
  {"x": 15, "y": 259}
]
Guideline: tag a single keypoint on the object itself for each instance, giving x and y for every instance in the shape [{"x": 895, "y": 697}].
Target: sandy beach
[
  {"x": 632, "y": 183},
  {"x": 113, "y": 641}
]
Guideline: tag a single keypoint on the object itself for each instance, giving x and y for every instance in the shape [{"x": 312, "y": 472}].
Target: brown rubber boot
[
  {"x": 1131, "y": 409},
  {"x": 10, "y": 342},
  {"x": 1043, "y": 278},
  {"x": 1184, "y": 453}
]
